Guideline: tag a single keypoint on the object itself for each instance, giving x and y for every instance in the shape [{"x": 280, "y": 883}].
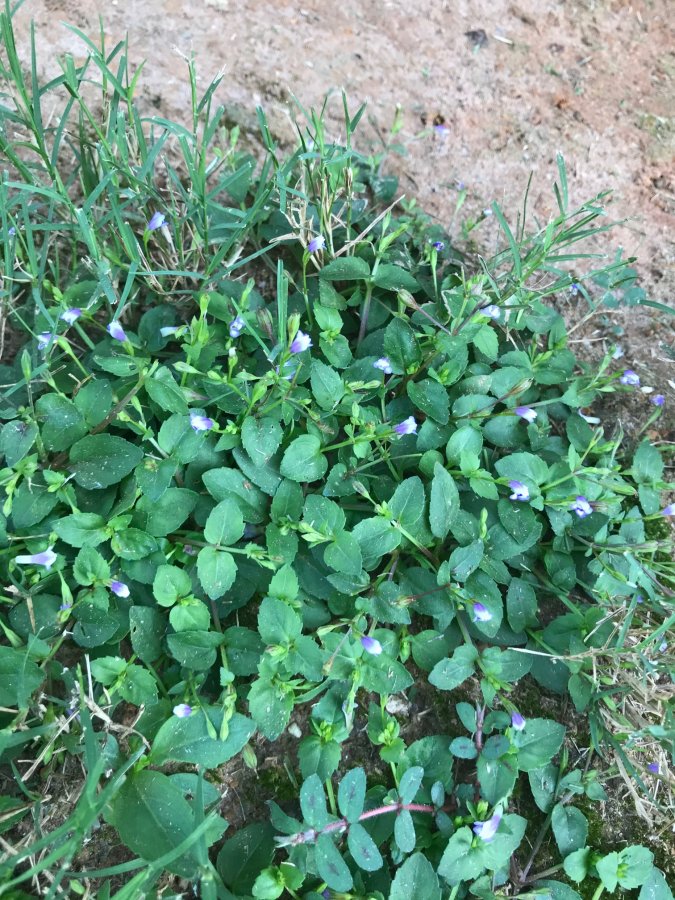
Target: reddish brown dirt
[{"x": 592, "y": 79}]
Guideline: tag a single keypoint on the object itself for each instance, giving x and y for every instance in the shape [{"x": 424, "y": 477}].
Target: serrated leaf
[
  {"x": 303, "y": 460},
  {"x": 261, "y": 439},
  {"x": 225, "y": 524},
  {"x": 100, "y": 460},
  {"x": 448, "y": 674},
  {"x": 189, "y": 740},
  {"x": 416, "y": 878}
]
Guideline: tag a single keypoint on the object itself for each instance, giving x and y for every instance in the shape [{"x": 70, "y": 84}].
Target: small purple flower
[
  {"x": 119, "y": 588},
  {"x": 581, "y": 507},
  {"x": 157, "y": 220},
  {"x": 481, "y": 613},
  {"x": 653, "y": 768},
  {"x": 317, "y": 243},
  {"x": 46, "y": 558},
  {"x": 441, "y": 130},
  {"x": 370, "y": 645},
  {"x": 43, "y": 339},
  {"x": 65, "y": 606},
  {"x": 487, "y": 830},
  {"x": 407, "y": 426},
  {"x": 517, "y": 721},
  {"x": 438, "y": 245},
  {"x": 11, "y": 231},
  {"x": 657, "y": 400},
  {"x": 663, "y": 646},
  {"x": 526, "y": 412},
  {"x": 168, "y": 330},
  {"x": 630, "y": 378},
  {"x": 71, "y": 315},
  {"x": 574, "y": 289},
  {"x": 520, "y": 491},
  {"x": 491, "y": 311},
  {"x": 182, "y": 710},
  {"x": 236, "y": 326},
  {"x": 301, "y": 342},
  {"x": 201, "y": 423},
  {"x": 668, "y": 510},
  {"x": 116, "y": 331},
  {"x": 383, "y": 365}
]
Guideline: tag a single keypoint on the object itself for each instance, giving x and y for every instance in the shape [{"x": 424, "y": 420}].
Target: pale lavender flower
[
  {"x": 11, "y": 231},
  {"x": 487, "y": 830},
  {"x": 71, "y": 315},
  {"x": 526, "y": 412},
  {"x": 407, "y": 426},
  {"x": 201, "y": 423},
  {"x": 116, "y": 331},
  {"x": 157, "y": 220},
  {"x": 581, "y": 507},
  {"x": 630, "y": 378},
  {"x": 301, "y": 342},
  {"x": 657, "y": 400},
  {"x": 182, "y": 710},
  {"x": 517, "y": 721},
  {"x": 317, "y": 243},
  {"x": 481, "y": 613},
  {"x": 383, "y": 365},
  {"x": 119, "y": 588},
  {"x": 491, "y": 311},
  {"x": 438, "y": 245},
  {"x": 653, "y": 768},
  {"x": 520, "y": 491},
  {"x": 441, "y": 130},
  {"x": 370, "y": 645},
  {"x": 663, "y": 646},
  {"x": 168, "y": 330},
  {"x": 668, "y": 510},
  {"x": 46, "y": 558},
  {"x": 65, "y": 606},
  {"x": 43, "y": 339},
  {"x": 574, "y": 289},
  {"x": 236, "y": 326}
]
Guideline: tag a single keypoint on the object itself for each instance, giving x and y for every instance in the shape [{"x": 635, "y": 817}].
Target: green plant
[{"x": 271, "y": 450}]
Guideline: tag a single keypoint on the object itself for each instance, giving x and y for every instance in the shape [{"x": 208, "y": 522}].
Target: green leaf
[
  {"x": 404, "y": 832},
  {"x": 558, "y": 891},
  {"x": 225, "y": 524},
  {"x": 570, "y": 828},
  {"x": 261, "y": 439},
  {"x": 463, "y": 748},
  {"x": 543, "y": 784},
  {"x": 415, "y": 879},
  {"x": 278, "y": 623},
  {"x": 410, "y": 783},
  {"x": 352, "y": 794},
  {"x": 318, "y": 757},
  {"x": 395, "y": 278},
  {"x": 344, "y": 554},
  {"x": 497, "y": 777},
  {"x": 444, "y": 502},
  {"x": 523, "y": 467},
  {"x": 133, "y": 544},
  {"x": 194, "y": 649},
  {"x": 647, "y": 464},
  {"x": 448, "y": 674},
  {"x": 577, "y": 864},
  {"x": 538, "y": 743},
  {"x": 147, "y": 627},
  {"x": 608, "y": 871},
  {"x": 217, "y": 571},
  {"x": 32, "y": 501},
  {"x": 363, "y": 849},
  {"x": 82, "y": 529},
  {"x": 313, "y": 802},
  {"x": 407, "y": 503},
  {"x": 303, "y": 460},
  {"x": 62, "y": 422},
  {"x": 166, "y": 393},
  {"x": 400, "y": 345},
  {"x": 331, "y": 866},
  {"x": 346, "y": 268},
  {"x": 635, "y": 866},
  {"x": 94, "y": 400},
  {"x": 226, "y": 483},
  {"x": 327, "y": 386},
  {"x": 170, "y": 585},
  {"x": 178, "y": 439},
  {"x": 100, "y": 460},
  {"x": 190, "y": 740},
  {"x": 90, "y": 567},
  {"x": 16, "y": 439},
  {"x": 153, "y": 818},
  {"x": 270, "y": 705},
  {"x": 521, "y": 604},
  {"x": 376, "y": 537},
  {"x": 431, "y": 398},
  {"x": 244, "y": 855},
  {"x": 19, "y": 678},
  {"x": 461, "y": 861},
  {"x": 167, "y": 513},
  {"x": 655, "y": 887}
]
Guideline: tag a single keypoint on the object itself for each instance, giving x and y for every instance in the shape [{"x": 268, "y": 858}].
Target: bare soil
[{"x": 515, "y": 82}]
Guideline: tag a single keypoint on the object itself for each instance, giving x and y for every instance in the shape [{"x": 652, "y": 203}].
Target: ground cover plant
[{"x": 277, "y": 459}]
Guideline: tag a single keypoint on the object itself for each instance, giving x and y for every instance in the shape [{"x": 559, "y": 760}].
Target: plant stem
[{"x": 309, "y": 836}]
